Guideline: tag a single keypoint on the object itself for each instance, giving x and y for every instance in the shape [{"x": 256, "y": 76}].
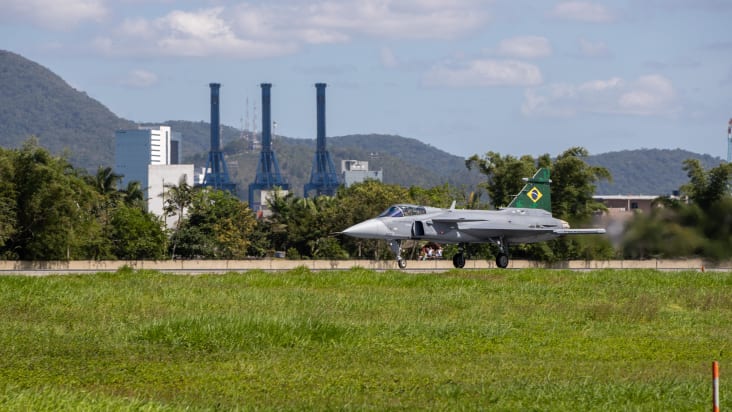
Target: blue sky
[{"x": 466, "y": 76}]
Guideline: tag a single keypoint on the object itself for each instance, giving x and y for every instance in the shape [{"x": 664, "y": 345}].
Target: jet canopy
[{"x": 403, "y": 210}]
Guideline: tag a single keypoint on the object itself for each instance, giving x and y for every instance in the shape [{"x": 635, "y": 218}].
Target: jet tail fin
[{"x": 536, "y": 194}]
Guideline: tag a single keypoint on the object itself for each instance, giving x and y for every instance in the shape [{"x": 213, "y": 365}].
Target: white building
[
  {"x": 158, "y": 177},
  {"x": 356, "y": 171},
  {"x": 147, "y": 155}
]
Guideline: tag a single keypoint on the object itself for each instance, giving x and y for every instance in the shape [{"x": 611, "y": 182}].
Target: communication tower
[{"x": 729, "y": 141}]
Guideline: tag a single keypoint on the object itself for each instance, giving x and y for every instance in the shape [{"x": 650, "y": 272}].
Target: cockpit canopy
[{"x": 403, "y": 210}]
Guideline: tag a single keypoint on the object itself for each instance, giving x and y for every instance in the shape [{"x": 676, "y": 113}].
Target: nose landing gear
[{"x": 396, "y": 248}]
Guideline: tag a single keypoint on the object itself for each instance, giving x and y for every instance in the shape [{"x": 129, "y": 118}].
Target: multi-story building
[
  {"x": 151, "y": 156},
  {"x": 356, "y": 171}
]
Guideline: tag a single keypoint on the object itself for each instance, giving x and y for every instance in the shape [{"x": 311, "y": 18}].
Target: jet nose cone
[{"x": 370, "y": 229}]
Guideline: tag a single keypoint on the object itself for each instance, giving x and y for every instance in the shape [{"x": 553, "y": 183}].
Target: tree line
[{"x": 50, "y": 210}]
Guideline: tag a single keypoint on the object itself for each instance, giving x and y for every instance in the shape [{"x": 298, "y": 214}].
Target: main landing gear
[
  {"x": 502, "y": 258},
  {"x": 459, "y": 259}
]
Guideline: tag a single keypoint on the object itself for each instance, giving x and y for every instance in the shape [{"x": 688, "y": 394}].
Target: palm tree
[
  {"x": 106, "y": 181},
  {"x": 177, "y": 200},
  {"x": 133, "y": 195}
]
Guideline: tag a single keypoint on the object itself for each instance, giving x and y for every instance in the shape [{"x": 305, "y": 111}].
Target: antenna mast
[{"x": 729, "y": 141}]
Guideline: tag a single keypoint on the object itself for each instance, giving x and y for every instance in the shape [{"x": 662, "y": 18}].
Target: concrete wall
[{"x": 222, "y": 266}]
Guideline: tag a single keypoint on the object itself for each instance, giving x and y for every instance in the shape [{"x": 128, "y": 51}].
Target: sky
[{"x": 465, "y": 76}]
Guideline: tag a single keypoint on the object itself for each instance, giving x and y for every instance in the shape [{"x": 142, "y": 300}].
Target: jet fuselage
[{"x": 514, "y": 225}]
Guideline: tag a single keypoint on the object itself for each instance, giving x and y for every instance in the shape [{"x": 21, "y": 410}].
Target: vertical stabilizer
[{"x": 536, "y": 194}]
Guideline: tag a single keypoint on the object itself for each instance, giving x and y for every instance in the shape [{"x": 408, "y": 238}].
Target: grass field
[{"x": 361, "y": 340}]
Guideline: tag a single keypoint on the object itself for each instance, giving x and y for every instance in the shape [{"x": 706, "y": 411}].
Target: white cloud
[
  {"x": 53, "y": 14},
  {"x": 646, "y": 96},
  {"x": 255, "y": 30},
  {"x": 582, "y": 11},
  {"x": 525, "y": 47},
  {"x": 192, "y": 34},
  {"x": 140, "y": 78},
  {"x": 484, "y": 72},
  {"x": 419, "y": 19},
  {"x": 593, "y": 49},
  {"x": 388, "y": 59}
]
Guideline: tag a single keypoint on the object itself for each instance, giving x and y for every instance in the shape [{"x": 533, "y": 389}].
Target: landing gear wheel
[
  {"x": 458, "y": 261},
  {"x": 502, "y": 260},
  {"x": 402, "y": 263}
]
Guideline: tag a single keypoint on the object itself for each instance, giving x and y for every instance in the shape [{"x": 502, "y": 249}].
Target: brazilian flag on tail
[{"x": 536, "y": 194}]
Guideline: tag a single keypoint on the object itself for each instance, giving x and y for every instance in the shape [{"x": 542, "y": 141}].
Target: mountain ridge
[{"x": 35, "y": 101}]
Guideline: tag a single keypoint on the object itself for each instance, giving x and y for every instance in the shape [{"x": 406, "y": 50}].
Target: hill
[
  {"x": 647, "y": 171},
  {"x": 408, "y": 162},
  {"x": 35, "y": 101},
  {"x": 405, "y": 161}
]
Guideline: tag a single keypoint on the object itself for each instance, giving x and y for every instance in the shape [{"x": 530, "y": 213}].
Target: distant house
[{"x": 619, "y": 205}]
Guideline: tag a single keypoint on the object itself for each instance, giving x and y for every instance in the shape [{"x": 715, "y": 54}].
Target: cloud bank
[
  {"x": 252, "y": 31},
  {"x": 648, "y": 95}
]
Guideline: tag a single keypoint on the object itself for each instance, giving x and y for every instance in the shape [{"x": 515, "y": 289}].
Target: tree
[
  {"x": 705, "y": 188},
  {"x": 504, "y": 174},
  {"x": 363, "y": 201},
  {"x": 437, "y": 196},
  {"x": 133, "y": 195},
  {"x": 676, "y": 229},
  {"x": 572, "y": 190},
  {"x": 303, "y": 226},
  {"x": 136, "y": 234},
  {"x": 105, "y": 181},
  {"x": 218, "y": 226},
  {"x": 573, "y": 185},
  {"x": 54, "y": 209},
  {"x": 177, "y": 200},
  {"x": 8, "y": 220},
  {"x": 572, "y": 180},
  {"x": 660, "y": 235}
]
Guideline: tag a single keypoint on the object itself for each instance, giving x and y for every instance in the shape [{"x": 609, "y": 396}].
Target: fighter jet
[{"x": 527, "y": 219}]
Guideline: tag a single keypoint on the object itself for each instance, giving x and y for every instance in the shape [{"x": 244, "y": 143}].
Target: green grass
[{"x": 361, "y": 340}]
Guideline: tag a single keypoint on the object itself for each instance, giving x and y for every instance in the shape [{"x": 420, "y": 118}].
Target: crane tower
[
  {"x": 217, "y": 175},
  {"x": 268, "y": 176},
  {"x": 323, "y": 177}
]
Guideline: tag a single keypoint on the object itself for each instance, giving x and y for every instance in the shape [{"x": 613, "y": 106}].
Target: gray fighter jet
[{"x": 527, "y": 219}]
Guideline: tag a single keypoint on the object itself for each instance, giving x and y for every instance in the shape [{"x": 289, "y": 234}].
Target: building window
[{"x": 634, "y": 205}]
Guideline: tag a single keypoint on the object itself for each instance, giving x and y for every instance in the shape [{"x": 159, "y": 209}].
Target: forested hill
[
  {"x": 410, "y": 162},
  {"x": 404, "y": 161},
  {"x": 647, "y": 171},
  {"x": 35, "y": 101}
]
